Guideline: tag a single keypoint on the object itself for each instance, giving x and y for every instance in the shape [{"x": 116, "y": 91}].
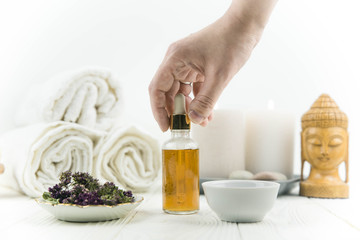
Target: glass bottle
[{"x": 180, "y": 165}]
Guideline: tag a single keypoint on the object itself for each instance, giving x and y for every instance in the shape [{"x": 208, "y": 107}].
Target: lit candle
[
  {"x": 270, "y": 141},
  {"x": 221, "y": 144}
]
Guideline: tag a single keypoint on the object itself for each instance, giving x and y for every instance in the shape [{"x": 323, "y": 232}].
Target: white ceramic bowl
[{"x": 241, "y": 200}]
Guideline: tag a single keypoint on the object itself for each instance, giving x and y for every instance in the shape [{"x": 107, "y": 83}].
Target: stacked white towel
[
  {"x": 90, "y": 97},
  {"x": 66, "y": 120},
  {"x": 35, "y": 156},
  {"x": 129, "y": 157}
]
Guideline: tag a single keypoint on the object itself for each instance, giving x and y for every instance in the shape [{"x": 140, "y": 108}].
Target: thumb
[{"x": 206, "y": 94}]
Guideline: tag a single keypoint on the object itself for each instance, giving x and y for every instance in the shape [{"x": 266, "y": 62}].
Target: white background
[{"x": 308, "y": 48}]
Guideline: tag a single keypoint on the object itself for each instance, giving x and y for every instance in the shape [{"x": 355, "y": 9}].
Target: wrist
[
  {"x": 244, "y": 33},
  {"x": 250, "y": 17}
]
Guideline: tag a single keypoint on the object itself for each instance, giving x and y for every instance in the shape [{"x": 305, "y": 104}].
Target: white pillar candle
[
  {"x": 270, "y": 142},
  {"x": 221, "y": 144}
]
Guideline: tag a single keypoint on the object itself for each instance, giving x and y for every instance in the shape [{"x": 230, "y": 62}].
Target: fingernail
[
  {"x": 164, "y": 128},
  {"x": 195, "y": 117}
]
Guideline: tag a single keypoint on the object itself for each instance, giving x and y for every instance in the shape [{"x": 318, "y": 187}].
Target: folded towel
[
  {"x": 90, "y": 97},
  {"x": 128, "y": 157},
  {"x": 35, "y": 156}
]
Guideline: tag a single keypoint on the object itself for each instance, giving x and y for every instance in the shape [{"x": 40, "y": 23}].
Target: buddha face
[{"x": 325, "y": 148}]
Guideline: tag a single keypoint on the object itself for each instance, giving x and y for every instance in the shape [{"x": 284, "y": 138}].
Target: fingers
[
  {"x": 185, "y": 89},
  {"x": 164, "y": 87},
  {"x": 207, "y": 120},
  {"x": 162, "y": 91},
  {"x": 159, "y": 86},
  {"x": 211, "y": 116},
  {"x": 171, "y": 78},
  {"x": 204, "y": 123},
  {"x": 170, "y": 96},
  {"x": 187, "y": 103},
  {"x": 206, "y": 94}
]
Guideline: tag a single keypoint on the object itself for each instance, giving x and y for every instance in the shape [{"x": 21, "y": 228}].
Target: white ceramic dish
[
  {"x": 76, "y": 213},
  {"x": 285, "y": 185},
  {"x": 241, "y": 200}
]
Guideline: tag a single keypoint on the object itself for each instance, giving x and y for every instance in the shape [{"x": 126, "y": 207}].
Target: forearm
[{"x": 250, "y": 16}]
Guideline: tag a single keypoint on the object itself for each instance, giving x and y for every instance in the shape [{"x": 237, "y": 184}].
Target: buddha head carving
[{"x": 324, "y": 144}]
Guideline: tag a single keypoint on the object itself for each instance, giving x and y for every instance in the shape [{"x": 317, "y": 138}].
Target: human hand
[{"x": 208, "y": 59}]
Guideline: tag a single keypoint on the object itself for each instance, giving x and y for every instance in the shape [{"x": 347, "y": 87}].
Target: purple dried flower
[
  {"x": 128, "y": 194},
  {"x": 57, "y": 192},
  {"x": 82, "y": 189},
  {"x": 65, "y": 178}
]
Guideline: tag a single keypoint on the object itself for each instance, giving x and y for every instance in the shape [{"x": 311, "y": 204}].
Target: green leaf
[{"x": 47, "y": 197}]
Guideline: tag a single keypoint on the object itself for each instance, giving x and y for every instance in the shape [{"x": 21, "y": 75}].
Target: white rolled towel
[
  {"x": 129, "y": 157},
  {"x": 36, "y": 155},
  {"x": 90, "y": 97}
]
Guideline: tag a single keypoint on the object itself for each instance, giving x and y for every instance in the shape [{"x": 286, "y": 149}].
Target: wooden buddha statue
[{"x": 324, "y": 144}]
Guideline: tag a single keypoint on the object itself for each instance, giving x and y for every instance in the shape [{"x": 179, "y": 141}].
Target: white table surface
[{"x": 293, "y": 217}]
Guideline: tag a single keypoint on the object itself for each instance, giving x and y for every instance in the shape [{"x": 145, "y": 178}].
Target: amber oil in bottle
[{"x": 180, "y": 165}]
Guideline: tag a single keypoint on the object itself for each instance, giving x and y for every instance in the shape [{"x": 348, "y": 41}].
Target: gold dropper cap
[{"x": 179, "y": 120}]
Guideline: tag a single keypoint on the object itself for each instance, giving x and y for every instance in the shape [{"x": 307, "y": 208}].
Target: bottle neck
[{"x": 184, "y": 133}]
